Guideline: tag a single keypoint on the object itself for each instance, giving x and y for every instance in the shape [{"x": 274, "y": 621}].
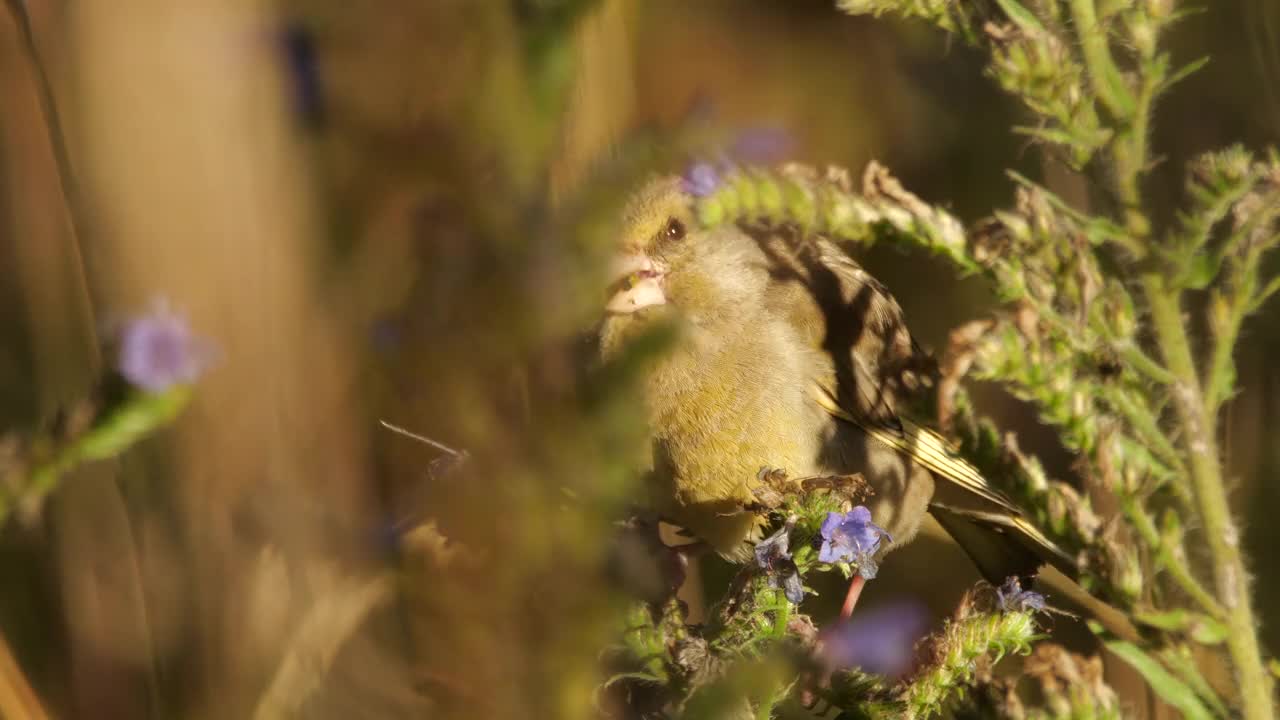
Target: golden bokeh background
[{"x": 371, "y": 208}]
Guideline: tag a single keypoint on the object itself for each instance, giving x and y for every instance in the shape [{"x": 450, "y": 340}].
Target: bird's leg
[
  {"x": 852, "y": 487},
  {"x": 769, "y": 491},
  {"x": 774, "y": 485},
  {"x": 736, "y": 595},
  {"x": 680, "y": 549},
  {"x": 851, "y": 597}
]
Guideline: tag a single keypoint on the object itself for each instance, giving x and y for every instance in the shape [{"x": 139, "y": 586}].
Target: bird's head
[{"x": 667, "y": 261}]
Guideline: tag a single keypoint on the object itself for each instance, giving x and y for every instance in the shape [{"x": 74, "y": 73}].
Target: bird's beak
[{"x": 637, "y": 285}]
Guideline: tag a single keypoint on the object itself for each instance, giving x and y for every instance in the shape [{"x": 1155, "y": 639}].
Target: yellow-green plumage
[{"x": 790, "y": 356}]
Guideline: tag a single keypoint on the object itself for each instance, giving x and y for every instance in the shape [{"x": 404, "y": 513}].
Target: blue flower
[
  {"x": 701, "y": 179},
  {"x": 158, "y": 351},
  {"x": 763, "y": 145},
  {"x": 881, "y": 640},
  {"x": 852, "y": 537},
  {"x": 1012, "y": 598},
  {"x": 773, "y": 555}
]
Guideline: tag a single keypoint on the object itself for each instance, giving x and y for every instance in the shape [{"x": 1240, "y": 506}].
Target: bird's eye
[{"x": 674, "y": 230}]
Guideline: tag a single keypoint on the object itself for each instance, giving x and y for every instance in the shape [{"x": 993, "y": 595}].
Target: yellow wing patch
[
  {"x": 939, "y": 456},
  {"x": 923, "y": 445}
]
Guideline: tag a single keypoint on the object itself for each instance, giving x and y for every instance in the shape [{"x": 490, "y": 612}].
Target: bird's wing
[
  {"x": 920, "y": 443},
  {"x": 871, "y": 366},
  {"x": 875, "y": 370},
  {"x": 983, "y": 534}
]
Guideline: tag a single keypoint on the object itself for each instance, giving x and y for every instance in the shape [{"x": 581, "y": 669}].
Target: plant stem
[
  {"x": 1105, "y": 77},
  {"x": 851, "y": 597},
  {"x": 1242, "y": 289},
  {"x": 1130, "y": 156},
  {"x": 1199, "y": 426},
  {"x": 1146, "y": 427},
  {"x": 1198, "y": 422},
  {"x": 1139, "y": 361},
  {"x": 1176, "y": 566}
]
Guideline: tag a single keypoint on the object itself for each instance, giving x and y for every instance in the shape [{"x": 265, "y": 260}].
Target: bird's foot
[{"x": 774, "y": 485}]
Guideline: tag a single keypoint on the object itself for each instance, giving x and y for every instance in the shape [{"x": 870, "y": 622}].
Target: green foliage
[
  {"x": 1169, "y": 688},
  {"x": 827, "y": 203},
  {"x": 959, "y": 17},
  {"x": 1091, "y": 332},
  {"x": 758, "y": 652},
  {"x": 1107, "y": 363},
  {"x": 48, "y": 458},
  {"x": 1070, "y": 687},
  {"x": 1071, "y": 346},
  {"x": 956, "y": 650}
]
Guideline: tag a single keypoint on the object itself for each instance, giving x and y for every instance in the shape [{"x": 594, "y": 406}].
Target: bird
[{"x": 787, "y": 354}]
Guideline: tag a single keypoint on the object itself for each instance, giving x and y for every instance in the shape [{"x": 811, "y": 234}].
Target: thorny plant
[{"x": 1095, "y": 333}]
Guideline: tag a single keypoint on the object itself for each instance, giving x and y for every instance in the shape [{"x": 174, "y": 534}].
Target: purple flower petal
[
  {"x": 773, "y": 548},
  {"x": 880, "y": 640},
  {"x": 773, "y": 555},
  {"x": 831, "y": 523},
  {"x": 852, "y": 537},
  {"x": 1012, "y": 598},
  {"x": 762, "y": 145},
  {"x": 827, "y": 553},
  {"x": 701, "y": 180},
  {"x": 793, "y": 588},
  {"x": 158, "y": 351}
]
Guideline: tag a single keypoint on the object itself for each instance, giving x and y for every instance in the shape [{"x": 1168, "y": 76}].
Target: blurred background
[{"x": 394, "y": 209}]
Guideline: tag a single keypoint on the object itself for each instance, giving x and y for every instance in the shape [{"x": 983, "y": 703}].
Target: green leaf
[
  {"x": 139, "y": 416},
  {"x": 1050, "y": 135},
  {"x": 1202, "y": 269},
  {"x": 114, "y": 432},
  {"x": 1170, "y": 620},
  {"x": 1169, "y": 688},
  {"x": 1021, "y": 17},
  {"x": 1265, "y": 294},
  {"x": 1223, "y": 382},
  {"x": 1183, "y": 72},
  {"x": 1181, "y": 661},
  {"x": 1201, "y": 628}
]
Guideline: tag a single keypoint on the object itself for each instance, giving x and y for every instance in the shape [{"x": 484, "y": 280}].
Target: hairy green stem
[
  {"x": 1105, "y": 77},
  {"x": 1199, "y": 425},
  {"x": 1222, "y": 357},
  {"x": 1130, "y": 155},
  {"x": 1177, "y": 567},
  {"x": 1142, "y": 362},
  {"x": 1239, "y": 301},
  {"x": 1144, "y": 425},
  {"x": 1198, "y": 422},
  {"x": 113, "y": 432}
]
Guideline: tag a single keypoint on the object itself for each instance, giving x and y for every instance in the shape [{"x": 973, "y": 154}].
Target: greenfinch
[{"x": 789, "y": 355}]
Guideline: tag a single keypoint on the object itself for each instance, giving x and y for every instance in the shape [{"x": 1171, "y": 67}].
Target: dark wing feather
[
  {"x": 873, "y": 367},
  {"x": 875, "y": 371}
]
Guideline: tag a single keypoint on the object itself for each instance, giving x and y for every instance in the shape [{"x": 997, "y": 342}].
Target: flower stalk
[{"x": 1231, "y": 580}]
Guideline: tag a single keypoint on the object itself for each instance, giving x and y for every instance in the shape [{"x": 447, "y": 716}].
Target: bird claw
[{"x": 775, "y": 485}]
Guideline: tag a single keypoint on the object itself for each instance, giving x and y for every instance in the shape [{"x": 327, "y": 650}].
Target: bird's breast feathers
[{"x": 722, "y": 411}]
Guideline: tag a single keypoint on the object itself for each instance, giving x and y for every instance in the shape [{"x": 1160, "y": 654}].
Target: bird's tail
[{"x": 1002, "y": 544}]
